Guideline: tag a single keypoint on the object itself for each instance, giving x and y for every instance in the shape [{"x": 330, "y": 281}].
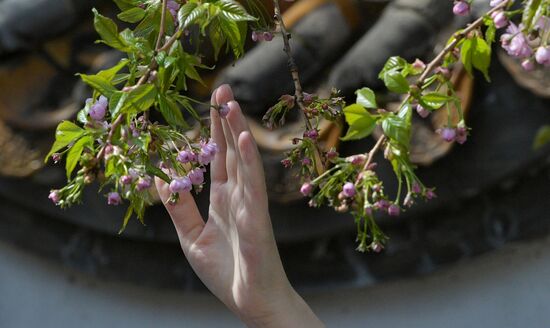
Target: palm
[{"x": 232, "y": 252}]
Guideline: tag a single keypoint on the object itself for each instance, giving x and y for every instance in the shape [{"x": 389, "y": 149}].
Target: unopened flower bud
[
  {"x": 126, "y": 179},
  {"x": 359, "y": 159},
  {"x": 444, "y": 71},
  {"x": 461, "y": 8},
  {"x": 423, "y": 112},
  {"x": 268, "y": 36},
  {"x": 500, "y": 19},
  {"x": 393, "y": 210},
  {"x": 306, "y": 161},
  {"x": 185, "y": 156},
  {"x": 332, "y": 154},
  {"x": 223, "y": 110},
  {"x": 196, "y": 176},
  {"x": 376, "y": 247},
  {"x": 257, "y": 36},
  {"x": 528, "y": 64},
  {"x": 288, "y": 101},
  {"x": 98, "y": 110},
  {"x": 349, "y": 189},
  {"x": 461, "y": 135},
  {"x": 419, "y": 65},
  {"x": 308, "y": 98},
  {"x": 448, "y": 134},
  {"x": 144, "y": 183},
  {"x": 56, "y": 157},
  {"x": 182, "y": 184},
  {"x": 54, "y": 196},
  {"x": 306, "y": 189},
  {"x": 542, "y": 56},
  {"x": 430, "y": 194},
  {"x": 312, "y": 134},
  {"x": 416, "y": 188},
  {"x": 113, "y": 198}
]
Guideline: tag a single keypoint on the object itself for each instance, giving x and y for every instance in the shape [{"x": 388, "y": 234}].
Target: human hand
[{"x": 234, "y": 252}]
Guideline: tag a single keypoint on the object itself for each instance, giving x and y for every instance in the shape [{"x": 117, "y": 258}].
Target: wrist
[{"x": 287, "y": 310}]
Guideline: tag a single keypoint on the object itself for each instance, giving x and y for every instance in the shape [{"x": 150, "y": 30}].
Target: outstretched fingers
[
  {"x": 218, "y": 172},
  {"x": 254, "y": 179},
  {"x": 185, "y": 215}
]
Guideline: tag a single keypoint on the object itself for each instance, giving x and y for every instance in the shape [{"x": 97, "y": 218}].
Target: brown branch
[
  {"x": 298, "y": 90},
  {"x": 431, "y": 66}
]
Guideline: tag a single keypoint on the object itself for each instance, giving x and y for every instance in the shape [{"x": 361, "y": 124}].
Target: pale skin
[{"x": 234, "y": 252}]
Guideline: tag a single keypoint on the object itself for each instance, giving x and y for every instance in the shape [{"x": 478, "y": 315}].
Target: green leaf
[
  {"x": 491, "y": 31},
  {"x": 434, "y": 100},
  {"x": 132, "y": 15},
  {"x": 99, "y": 83},
  {"x": 232, "y": 33},
  {"x": 171, "y": 112},
  {"x": 108, "y": 31},
  {"x": 126, "y": 219},
  {"x": 398, "y": 127},
  {"x": 66, "y": 133},
  {"x": 153, "y": 170},
  {"x": 73, "y": 156},
  {"x": 138, "y": 100},
  {"x": 466, "y": 53},
  {"x": 542, "y": 137},
  {"x": 394, "y": 63},
  {"x": 232, "y": 10},
  {"x": 189, "y": 13},
  {"x": 396, "y": 82},
  {"x": 361, "y": 123},
  {"x": 109, "y": 74},
  {"x": 366, "y": 98},
  {"x": 217, "y": 37},
  {"x": 126, "y": 4},
  {"x": 482, "y": 57}
]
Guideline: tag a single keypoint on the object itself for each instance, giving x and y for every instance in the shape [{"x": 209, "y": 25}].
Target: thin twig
[{"x": 298, "y": 90}]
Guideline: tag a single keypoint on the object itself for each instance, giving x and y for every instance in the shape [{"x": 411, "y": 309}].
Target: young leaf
[
  {"x": 394, "y": 63},
  {"x": 398, "y": 127},
  {"x": 66, "y": 133},
  {"x": 396, "y": 82},
  {"x": 189, "y": 13},
  {"x": 366, "y": 98},
  {"x": 109, "y": 74},
  {"x": 99, "y": 83},
  {"x": 132, "y": 15},
  {"x": 153, "y": 170},
  {"x": 108, "y": 31},
  {"x": 482, "y": 57},
  {"x": 171, "y": 112},
  {"x": 73, "y": 156},
  {"x": 466, "y": 53},
  {"x": 434, "y": 100},
  {"x": 361, "y": 123},
  {"x": 232, "y": 10},
  {"x": 126, "y": 219}
]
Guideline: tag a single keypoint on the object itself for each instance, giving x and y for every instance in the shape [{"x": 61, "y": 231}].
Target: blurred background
[{"x": 478, "y": 255}]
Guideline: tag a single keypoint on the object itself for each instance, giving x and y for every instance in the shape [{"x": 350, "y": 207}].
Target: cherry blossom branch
[
  {"x": 431, "y": 66},
  {"x": 298, "y": 90}
]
